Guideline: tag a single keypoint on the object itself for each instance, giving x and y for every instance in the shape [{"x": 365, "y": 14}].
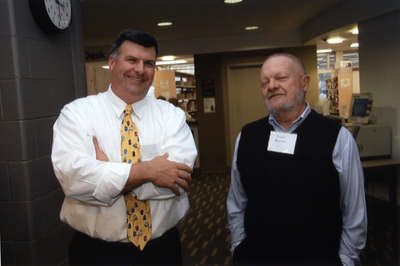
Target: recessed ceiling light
[
  {"x": 164, "y": 24},
  {"x": 333, "y": 40},
  {"x": 251, "y": 28},
  {"x": 173, "y": 62},
  {"x": 167, "y": 58},
  {"x": 232, "y": 1},
  {"x": 354, "y": 44},
  {"x": 324, "y": 51}
]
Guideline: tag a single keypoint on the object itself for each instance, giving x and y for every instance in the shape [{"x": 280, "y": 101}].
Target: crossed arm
[
  {"x": 159, "y": 171},
  {"x": 101, "y": 182}
]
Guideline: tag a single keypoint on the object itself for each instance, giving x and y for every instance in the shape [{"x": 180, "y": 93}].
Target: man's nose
[
  {"x": 271, "y": 85},
  {"x": 139, "y": 66}
]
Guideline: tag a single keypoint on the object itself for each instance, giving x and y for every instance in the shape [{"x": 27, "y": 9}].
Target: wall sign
[{"x": 209, "y": 104}]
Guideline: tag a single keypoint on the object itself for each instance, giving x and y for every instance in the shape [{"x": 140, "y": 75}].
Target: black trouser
[
  {"x": 85, "y": 250},
  {"x": 246, "y": 254}
]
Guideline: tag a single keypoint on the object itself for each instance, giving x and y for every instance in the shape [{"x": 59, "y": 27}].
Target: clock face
[{"x": 59, "y": 12}]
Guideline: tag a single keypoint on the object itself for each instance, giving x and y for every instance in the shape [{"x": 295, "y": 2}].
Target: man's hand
[
  {"x": 161, "y": 172},
  {"x": 100, "y": 155},
  {"x": 169, "y": 174}
]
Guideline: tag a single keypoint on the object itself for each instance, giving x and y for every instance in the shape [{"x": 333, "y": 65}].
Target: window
[
  {"x": 352, "y": 57},
  {"x": 325, "y": 64},
  {"x": 322, "y": 77},
  {"x": 326, "y": 61}
]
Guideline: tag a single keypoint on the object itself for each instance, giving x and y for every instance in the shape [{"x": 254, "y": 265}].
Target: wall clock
[{"x": 51, "y": 15}]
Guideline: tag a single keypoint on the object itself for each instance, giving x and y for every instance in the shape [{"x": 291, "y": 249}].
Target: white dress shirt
[
  {"x": 93, "y": 202},
  {"x": 346, "y": 159}
]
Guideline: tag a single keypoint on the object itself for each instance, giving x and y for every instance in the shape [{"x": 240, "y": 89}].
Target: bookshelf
[{"x": 186, "y": 94}]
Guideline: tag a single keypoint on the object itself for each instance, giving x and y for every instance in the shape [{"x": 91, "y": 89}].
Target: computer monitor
[{"x": 360, "y": 108}]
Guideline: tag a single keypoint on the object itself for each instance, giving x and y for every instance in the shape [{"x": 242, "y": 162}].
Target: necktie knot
[{"x": 128, "y": 110}]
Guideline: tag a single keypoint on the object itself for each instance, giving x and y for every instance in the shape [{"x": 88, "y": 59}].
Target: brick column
[{"x": 39, "y": 73}]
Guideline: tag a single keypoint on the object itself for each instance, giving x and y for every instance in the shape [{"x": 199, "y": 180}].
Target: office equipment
[
  {"x": 373, "y": 141},
  {"x": 360, "y": 108}
]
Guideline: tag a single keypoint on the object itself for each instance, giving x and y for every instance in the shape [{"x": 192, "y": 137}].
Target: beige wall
[
  {"x": 164, "y": 84},
  {"x": 345, "y": 87}
]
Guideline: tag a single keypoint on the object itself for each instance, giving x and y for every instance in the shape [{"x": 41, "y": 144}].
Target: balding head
[{"x": 299, "y": 66}]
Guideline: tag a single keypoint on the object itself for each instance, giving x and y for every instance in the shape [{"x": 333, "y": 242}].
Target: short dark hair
[{"x": 136, "y": 36}]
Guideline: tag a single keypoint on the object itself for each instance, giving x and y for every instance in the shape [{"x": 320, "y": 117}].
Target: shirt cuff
[
  {"x": 112, "y": 181},
  {"x": 347, "y": 261},
  {"x": 234, "y": 245}
]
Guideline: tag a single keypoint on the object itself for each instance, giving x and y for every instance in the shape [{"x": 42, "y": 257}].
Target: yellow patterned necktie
[{"x": 138, "y": 212}]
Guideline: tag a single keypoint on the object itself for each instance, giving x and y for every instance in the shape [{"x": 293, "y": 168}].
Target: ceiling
[{"x": 201, "y": 25}]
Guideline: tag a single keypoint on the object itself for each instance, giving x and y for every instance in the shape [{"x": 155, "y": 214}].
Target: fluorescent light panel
[
  {"x": 333, "y": 40},
  {"x": 167, "y": 57},
  {"x": 232, "y": 1},
  {"x": 164, "y": 24},
  {"x": 251, "y": 28},
  {"x": 171, "y": 62},
  {"x": 324, "y": 51}
]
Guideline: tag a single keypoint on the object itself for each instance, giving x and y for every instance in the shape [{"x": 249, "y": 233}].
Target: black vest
[{"x": 293, "y": 208}]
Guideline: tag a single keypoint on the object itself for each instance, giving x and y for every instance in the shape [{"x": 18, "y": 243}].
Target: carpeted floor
[{"x": 205, "y": 234}]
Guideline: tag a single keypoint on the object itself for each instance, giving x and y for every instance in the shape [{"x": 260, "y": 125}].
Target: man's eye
[{"x": 150, "y": 64}]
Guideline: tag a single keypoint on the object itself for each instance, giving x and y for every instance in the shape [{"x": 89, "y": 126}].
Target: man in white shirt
[
  {"x": 86, "y": 157},
  {"x": 297, "y": 186}
]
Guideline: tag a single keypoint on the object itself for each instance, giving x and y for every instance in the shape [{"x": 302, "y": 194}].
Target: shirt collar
[
  {"x": 273, "y": 122},
  {"x": 118, "y": 105}
]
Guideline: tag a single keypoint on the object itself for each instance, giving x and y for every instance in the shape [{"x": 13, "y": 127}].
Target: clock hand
[
  {"x": 60, "y": 3},
  {"x": 59, "y": 10}
]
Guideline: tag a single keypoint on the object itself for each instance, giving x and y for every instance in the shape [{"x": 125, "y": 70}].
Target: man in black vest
[{"x": 297, "y": 189}]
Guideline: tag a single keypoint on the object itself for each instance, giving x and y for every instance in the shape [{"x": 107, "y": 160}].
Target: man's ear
[
  {"x": 305, "y": 80},
  {"x": 111, "y": 62}
]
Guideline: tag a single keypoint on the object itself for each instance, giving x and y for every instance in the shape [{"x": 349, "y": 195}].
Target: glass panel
[
  {"x": 322, "y": 77},
  {"x": 332, "y": 60},
  {"x": 322, "y": 62},
  {"x": 353, "y": 57}
]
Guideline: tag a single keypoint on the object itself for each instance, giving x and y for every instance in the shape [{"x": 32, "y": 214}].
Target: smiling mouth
[{"x": 135, "y": 78}]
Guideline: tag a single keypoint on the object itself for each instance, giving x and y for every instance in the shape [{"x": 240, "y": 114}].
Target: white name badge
[{"x": 282, "y": 142}]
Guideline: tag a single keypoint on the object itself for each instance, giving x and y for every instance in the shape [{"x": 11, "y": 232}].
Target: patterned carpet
[
  {"x": 205, "y": 235},
  {"x": 204, "y": 232}
]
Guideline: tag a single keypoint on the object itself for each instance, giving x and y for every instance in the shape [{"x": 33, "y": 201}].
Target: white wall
[{"x": 379, "y": 53}]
